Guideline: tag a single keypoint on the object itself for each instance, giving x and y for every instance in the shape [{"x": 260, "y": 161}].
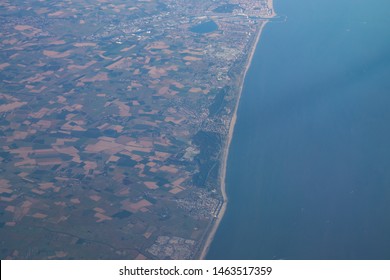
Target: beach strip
[{"x": 225, "y": 153}]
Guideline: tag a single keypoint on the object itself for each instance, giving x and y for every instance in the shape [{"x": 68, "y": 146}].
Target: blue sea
[{"x": 308, "y": 173}]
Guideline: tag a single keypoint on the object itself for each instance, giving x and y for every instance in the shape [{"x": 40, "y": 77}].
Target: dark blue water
[
  {"x": 205, "y": 27},
  {"x": 309, "y": 166}
]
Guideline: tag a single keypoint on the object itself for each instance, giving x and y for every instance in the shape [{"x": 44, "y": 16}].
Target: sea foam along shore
[{"x": 225, "y": 153}]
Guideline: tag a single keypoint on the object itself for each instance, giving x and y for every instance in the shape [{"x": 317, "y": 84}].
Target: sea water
[{"x": 308, "y": 173}]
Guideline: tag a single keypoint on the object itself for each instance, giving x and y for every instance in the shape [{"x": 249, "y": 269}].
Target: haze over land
[{"x": 114, "y": 122}]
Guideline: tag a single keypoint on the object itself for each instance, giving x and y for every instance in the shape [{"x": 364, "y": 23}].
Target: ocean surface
[{"x": 308, "y": 173}]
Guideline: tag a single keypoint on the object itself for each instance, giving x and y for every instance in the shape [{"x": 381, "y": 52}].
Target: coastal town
[{"x": 115, "y": 119}]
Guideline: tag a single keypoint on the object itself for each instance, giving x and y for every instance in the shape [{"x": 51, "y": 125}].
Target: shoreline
[{"x": 224, "y": 159}]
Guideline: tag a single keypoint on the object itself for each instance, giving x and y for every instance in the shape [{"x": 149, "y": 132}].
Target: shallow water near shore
[{"x": 308, "y": 173}]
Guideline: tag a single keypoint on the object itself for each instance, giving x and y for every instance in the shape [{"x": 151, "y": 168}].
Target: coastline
[{"x": 225, "y": 155}]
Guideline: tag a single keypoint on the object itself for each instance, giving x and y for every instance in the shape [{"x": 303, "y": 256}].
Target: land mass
[{"x": 116, "y": 119}]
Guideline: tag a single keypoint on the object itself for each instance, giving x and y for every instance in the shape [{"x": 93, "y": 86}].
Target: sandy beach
[{"x": 225, "y": 153}]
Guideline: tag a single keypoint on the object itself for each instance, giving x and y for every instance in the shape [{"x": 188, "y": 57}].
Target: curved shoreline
[{"x": 221, "y": 213}]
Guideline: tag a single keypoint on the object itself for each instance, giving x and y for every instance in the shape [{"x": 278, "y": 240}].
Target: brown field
[
  {"x": 86, "y": 44},
  {"x": 117, "y": 128},
  {"x": 40, "y": 114},
  {"x": 177, "y": 84},
  {"x": 102, "y": 145},
  {"x": 123, "y": 139},
  {"x": 39, "y": 192},
  {"x": 23, "y": 174},
  {"x": 89, "y": 165},
  {"x": 156, "y": 73},
  {"x": 99, "y": 210},
  {"x": 127, "y": 49},
  {"x": 81, "y": 67},
  {"x": 123, "y": 63},
  {"x": 43, "y": 124},
  {"x": 42, "y": 11},
  {"x": 179, "y": 181},
  {"x": 4, "y": 65},
  {"x": 69, "y": 126},
  {"x": 58, "y": 254},
  {"x": 38, "y": 77},
  {"x": 46, "y": 186},
  {"x": 11, "y": 106},
  {"x": 54, "y": 54},
  {"x": 169, "y": 169},
  {"x": 56, "y": 14},
  {"x": 49, "y": 161},
  {"x": 95, "y": 197},
  {"x": 163, "y": 90},
  {"x": 132, "y": 148},
  {"x": 195, "y": 90},
  {"x": 113, "y": 159},
  {"x": 151, "y": 185},
  {"x": 25, "y": 162},
  {"x": 176, "y": 190},
  {"x": 137, "y": 158},
  {"x": 101, "y": 217},
  {"x": 23, "y": 27},
  {"x": 174, "y": 120},
  {"x": 152, "y": 112},
  {"x": 58, "y": 42},
  {"x": 10, "y": 208},
  {"x": 102, "y": 76},
  {"x": 42, "y": 88},
  {"x": 135, "y": 207},
  {"x": 162, "y": 156},
  {"x": 193, "y": 52},
  {"x": 141, "y": 257},
  {"x": 191, "y": 58},
  {"x": 19, "y": 135},
  {"x": 39, "y": 216},
  {"x": 124, "y": 109},
  {"x": 10, "y": 41},
  {"x": 75, "y": 200},
  {"x": 157, "y": 45},
  {"x": 145, "y": 143},
  {"x": 62, "y": 141}
]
